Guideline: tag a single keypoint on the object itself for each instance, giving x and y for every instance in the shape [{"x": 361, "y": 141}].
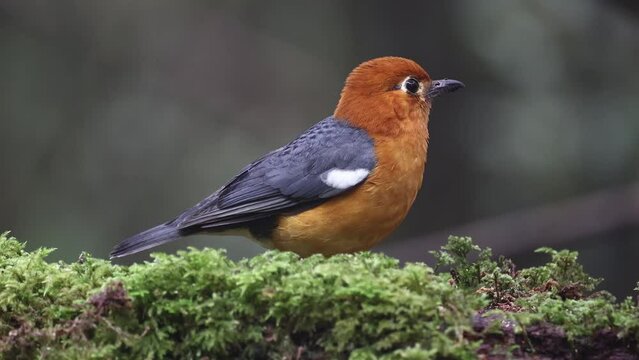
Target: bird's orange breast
[{"x": 361, "y": 218}]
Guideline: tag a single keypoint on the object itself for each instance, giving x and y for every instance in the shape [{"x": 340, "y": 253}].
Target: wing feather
[{"x": 287, "y": 179}]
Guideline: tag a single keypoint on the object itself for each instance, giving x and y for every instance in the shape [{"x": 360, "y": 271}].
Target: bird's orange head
[{"x": 382, "y": 94}]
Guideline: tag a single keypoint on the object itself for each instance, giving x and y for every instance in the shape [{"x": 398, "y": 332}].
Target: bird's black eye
[{"x": 411, "y": 85}]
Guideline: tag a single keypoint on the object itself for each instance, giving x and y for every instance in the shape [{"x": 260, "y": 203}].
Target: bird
[{"x": 342, "y": 186}]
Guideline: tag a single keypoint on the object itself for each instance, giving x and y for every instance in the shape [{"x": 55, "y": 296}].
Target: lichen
[{"x": 200, "y": 304}]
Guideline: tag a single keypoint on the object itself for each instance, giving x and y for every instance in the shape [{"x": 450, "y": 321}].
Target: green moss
[{"x": 277, "y": 306}]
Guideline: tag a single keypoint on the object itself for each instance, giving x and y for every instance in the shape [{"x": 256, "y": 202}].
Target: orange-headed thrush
[{"x": 341, "y": 186}]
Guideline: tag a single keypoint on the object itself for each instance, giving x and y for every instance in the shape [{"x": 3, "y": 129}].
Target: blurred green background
[{"x": 117, "y": 115}]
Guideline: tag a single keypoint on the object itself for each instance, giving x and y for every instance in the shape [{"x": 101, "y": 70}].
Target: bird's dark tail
[{"x": 145, "y": 240}]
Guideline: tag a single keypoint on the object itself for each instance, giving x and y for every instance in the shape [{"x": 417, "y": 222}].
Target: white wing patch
[{"x": 343, "y": 179}]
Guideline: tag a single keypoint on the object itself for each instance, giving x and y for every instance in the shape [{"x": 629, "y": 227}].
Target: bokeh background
[{"x": 116, "y": 115}]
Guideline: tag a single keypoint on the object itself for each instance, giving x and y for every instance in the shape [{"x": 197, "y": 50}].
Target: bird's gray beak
[{"x": 438, "y": 87}]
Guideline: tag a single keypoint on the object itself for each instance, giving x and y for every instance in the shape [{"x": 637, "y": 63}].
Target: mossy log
[{"x": 198, "y": 304}]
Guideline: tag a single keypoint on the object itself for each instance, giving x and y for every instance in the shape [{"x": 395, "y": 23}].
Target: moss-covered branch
[{"x": 199, "y": 304}]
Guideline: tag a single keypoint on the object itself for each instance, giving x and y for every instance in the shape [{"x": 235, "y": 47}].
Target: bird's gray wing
[{"x": 328, "y": 159}]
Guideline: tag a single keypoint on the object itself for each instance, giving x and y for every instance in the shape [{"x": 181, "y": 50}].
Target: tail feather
[{"x": 145, "y": 240}]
